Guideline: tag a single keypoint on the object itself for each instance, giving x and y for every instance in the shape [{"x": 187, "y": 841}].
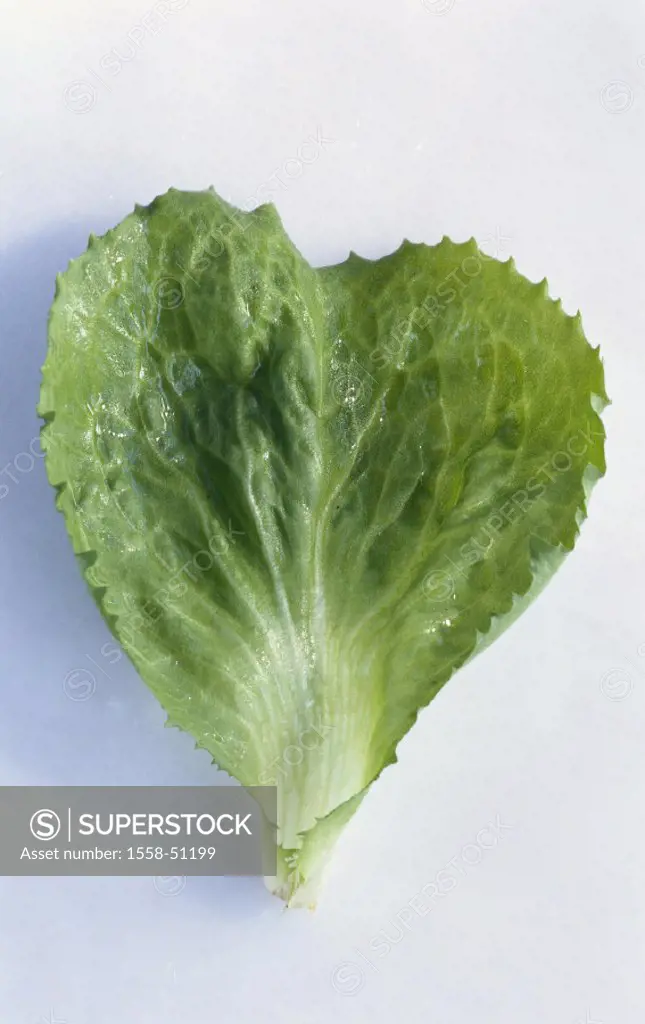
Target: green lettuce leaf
[{"x": 303, "y": 498}]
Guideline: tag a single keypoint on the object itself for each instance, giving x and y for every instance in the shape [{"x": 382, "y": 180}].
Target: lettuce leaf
[{"x": 303, "y": 498}]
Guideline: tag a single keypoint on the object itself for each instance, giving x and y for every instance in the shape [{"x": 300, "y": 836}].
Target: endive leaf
[{"x": 303, "y": 498}]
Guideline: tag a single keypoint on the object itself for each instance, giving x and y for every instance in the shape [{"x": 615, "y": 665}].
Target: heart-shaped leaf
[{"x": 303, "y": 498}]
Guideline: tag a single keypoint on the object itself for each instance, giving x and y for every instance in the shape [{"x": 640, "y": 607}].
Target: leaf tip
[
  {"x": 542, "y": 288},
  {"x": 404, "y": 246}
]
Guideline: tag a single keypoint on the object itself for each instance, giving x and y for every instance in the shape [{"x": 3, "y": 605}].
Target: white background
[{"x": 516, "y": 122}]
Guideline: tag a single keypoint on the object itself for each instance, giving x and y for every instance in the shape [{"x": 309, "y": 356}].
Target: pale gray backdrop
[{"x": 522, "y": 124}]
